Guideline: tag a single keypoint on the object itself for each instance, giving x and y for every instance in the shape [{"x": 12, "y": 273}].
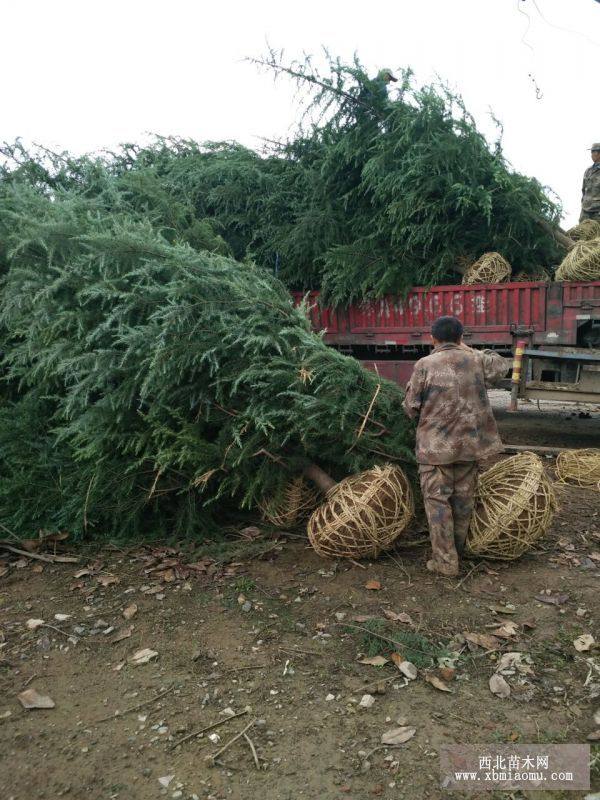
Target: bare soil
[{"x": 263, "y": 627}]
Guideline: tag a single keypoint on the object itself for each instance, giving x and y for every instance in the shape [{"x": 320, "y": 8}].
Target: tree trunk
[
  {"x": 318, "y": 476},
  {"x": 560, "y": 236}
]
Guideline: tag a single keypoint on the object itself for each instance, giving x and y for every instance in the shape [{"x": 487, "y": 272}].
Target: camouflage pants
[{"x": 448, "y": 493}]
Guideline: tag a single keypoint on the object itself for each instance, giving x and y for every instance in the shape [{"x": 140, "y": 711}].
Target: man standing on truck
[
  {"x": 456, "y": 429},
  {"x": 590, "y": 193}
]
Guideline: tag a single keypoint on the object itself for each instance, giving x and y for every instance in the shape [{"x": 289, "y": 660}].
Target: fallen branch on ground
[
  {"x": 136, "y": 707},
  {"x": 204, "y": 730}
]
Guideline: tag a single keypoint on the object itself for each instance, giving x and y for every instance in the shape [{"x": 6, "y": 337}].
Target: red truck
[{"x": 551, "y": 330}]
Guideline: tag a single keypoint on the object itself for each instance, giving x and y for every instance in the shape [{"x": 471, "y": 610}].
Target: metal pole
[{"x": 516, "y": 373}]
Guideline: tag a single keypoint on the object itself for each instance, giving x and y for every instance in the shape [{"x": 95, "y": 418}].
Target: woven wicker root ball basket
[
  {"x": 587, "y": 229},
  {"x": 363, "y": 514},
  {"x": 295, "y": 503},
  {"x": 514, "y": 508},
  {"x": 490, "y": 268},
  {"x": 581, "y": 467},
  {"x": 582, "y": 262}
]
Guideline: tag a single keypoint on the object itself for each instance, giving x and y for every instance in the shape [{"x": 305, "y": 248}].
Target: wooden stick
[
  {"x": 10, "y": 533},
  {"x": 296, "y": 651},
  {"x": 468, "y": 575},
  {"x": 356, "y": 563},
  {"x": 251, "y": 745},
  {"x": 28, "y": 681},
  {"x": 58, "y": 630},
  {"x": 230, "y": 742},
  {"x": 240, "y": 669},
  {"x": 366, "y": 417},
  {"x": 204, "y": 730},
  {"x": 7, "y": 546},
  {"x": 136, "y": 707}
]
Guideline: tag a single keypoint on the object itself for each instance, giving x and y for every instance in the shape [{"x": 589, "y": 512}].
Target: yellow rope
[{"x": 363, "y": 514}]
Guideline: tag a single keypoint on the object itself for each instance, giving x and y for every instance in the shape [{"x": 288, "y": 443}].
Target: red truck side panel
[{"x": 492, "y": 314}]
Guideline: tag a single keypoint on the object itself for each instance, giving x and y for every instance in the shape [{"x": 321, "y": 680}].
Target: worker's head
[
  {"x": 386, "y": 75},
  {"x": 446, "y": 330},
  {"x": 596, "y": 152}
]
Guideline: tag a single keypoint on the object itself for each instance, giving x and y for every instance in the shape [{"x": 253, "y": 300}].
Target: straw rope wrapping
[
  {"x": 490, "y": 268},
  {"x": 581, "y": 467},
  {"x": 363, "y": 514},
  {"x": 514, "y": 508},
  {"x": 582, "y": 262},
  {"x": 587, "y": 229},
  {"x": 293, "y": 505}
]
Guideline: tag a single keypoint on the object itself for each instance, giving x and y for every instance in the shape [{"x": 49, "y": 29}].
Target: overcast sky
[{"x": 87, "y": 74}]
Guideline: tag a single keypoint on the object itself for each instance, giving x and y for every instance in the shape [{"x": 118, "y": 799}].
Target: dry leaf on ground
[
  {"x": 124, "y": 633},
  {"x": 107, "y": 580},
  {"x": 499, "y": 686},
  {"x": 374, "y": 661},
  {"x": 31, "y": 545},
  {"x": 167, "y": 576},
  {"x": 143, "y": 656},
  {"x": 438, "y": 683},
  {"x": 81, "y": 573},
  {"x": 511, "y": 662},
  {"x": 374, "y": 585},
  {"x": 398, "y": 735},
  {"x": 485, "y": 640},
  {"x": 408, "y": 669},
  {"x": 31, "y": 698},
  {"x": 401, "y": 617},
  {"x": 584, "y": 642},
  {"x": 32, "y": 624},
  {"x": 502, "y": 610},
  {"x": 130, "y": 611},
  {"x": 507, "y": 630},
  {"x": 552, "y": 599}
]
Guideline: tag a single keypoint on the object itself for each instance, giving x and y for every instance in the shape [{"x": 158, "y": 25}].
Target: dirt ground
[{"x": 261, "y": 627}]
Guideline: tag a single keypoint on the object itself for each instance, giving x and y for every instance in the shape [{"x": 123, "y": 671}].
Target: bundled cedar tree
[{"x": 155, "y": 374}]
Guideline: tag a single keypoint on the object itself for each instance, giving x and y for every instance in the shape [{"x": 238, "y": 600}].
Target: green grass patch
[{"x": 413, "y": 646}]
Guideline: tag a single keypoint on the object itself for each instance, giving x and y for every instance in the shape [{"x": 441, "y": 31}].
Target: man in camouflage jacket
[
  {"x": 456, "y": 429},
  {"x": 590, "y": 193}
]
